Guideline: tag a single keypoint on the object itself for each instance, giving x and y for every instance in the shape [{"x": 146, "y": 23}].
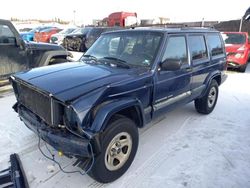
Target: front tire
[
  {"x": 119, "y": 146},
  {"x": 206, "y": 104}
]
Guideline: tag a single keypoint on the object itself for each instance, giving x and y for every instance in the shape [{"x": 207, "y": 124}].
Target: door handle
[{"x": 188, "y": 69}]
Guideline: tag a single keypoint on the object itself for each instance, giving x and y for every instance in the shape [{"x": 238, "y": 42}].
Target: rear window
[
  {"x": 215, "y": 45},
  {"x": 197, "y": 47},
  {"x": 234, "y": 38}
]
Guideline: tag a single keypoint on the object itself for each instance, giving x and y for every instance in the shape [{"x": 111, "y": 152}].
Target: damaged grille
[{"x": 36, "y": 101}]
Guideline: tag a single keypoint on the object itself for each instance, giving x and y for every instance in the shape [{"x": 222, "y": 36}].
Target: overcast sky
[{"x": 176, "y": 10}]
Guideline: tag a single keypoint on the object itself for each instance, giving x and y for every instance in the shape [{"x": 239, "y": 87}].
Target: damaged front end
[
  {"x": 53, "y": 121},
  {"x": 75, "y": 43}
]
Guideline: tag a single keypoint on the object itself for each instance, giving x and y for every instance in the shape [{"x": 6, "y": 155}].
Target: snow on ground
[{"x": 184, "y": 149}]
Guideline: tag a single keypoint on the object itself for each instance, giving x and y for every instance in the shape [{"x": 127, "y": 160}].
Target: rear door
[
  {"x": 173, "y": 87},
  {"x": 200, "y": 62},
  {"x": 12, "y": 57}
]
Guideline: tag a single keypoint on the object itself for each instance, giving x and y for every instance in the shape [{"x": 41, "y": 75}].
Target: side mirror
[
  {"x": 20, "y": 43},
  {"x": 171, "y": 65}
]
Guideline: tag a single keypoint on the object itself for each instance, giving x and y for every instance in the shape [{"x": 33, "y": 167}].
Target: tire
[
  {"x": 107, "y": 166},
  {"x": 242, "y": 68},
  {"x": 54, "y": 61},
  {"x": 206, "y": 104}
]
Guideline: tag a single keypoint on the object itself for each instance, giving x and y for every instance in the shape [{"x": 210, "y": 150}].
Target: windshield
[
  {"x": 234, "y": 38},
  {"x": 138, "y": 48},
  {"x": 84, "y": 30},
  {"x": 37, "y": 29},
  {"x": 67, "y": 31}
]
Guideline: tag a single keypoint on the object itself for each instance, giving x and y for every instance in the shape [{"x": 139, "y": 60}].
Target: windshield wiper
[
  {"x": 90, "y": 57},
  {"x": 118, "y": 61}
]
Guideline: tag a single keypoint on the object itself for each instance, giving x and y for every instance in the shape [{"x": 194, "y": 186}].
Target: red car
[
  {"x": 238, "y": 49},
  {"x": 44, "y": 35}
]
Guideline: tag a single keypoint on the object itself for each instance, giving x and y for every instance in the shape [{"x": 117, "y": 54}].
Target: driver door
[
  {"x": 173, "y": 87},
  {"x": 12, "y": 57}
]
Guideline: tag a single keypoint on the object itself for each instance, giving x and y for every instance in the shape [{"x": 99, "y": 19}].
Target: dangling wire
[{"x": 60, "y": 167}]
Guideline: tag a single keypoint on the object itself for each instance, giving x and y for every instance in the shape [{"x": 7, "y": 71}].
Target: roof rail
[{"x": 201, "y": 28}]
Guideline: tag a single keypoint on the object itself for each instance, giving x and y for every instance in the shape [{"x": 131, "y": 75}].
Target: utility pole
[
  {"x": 241, "y": 21},
  {"x": 74, "y": 12}
]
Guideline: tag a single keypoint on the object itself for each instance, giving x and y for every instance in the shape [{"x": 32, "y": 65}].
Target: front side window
[
  {"x": 197, "y": 47},
  {"x": 134, "y": 48},
  {"x": 215, "y": 45},
  {"x": 176, "y": 49},
  {"x": 6, "y": 35}
]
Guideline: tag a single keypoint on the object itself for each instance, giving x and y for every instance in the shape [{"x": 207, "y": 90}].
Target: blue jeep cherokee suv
[{"x": 93, "y": 108}]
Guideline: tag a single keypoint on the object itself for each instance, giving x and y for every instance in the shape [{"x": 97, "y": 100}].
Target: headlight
[
  {"x": 73, "y": 118},
  {"x": 239, "y": 55}
]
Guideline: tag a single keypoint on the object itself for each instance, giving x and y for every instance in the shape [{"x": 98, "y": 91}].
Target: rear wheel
[
  {"x": 119, "y": 146},
  {"x": 206, "y": 104}
]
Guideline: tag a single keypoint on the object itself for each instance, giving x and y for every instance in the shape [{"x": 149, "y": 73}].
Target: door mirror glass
[{"x": 171, "y": 65}]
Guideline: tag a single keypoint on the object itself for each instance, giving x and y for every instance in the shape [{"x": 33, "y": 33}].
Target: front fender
[
  {"x": 108, "y": 110},
  {"x": 50, "y": 54}
]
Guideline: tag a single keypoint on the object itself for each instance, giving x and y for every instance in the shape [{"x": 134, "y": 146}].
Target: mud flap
[{"x": 14, "y": 175}]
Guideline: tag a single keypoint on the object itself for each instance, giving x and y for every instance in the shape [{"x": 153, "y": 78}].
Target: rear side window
[
  {"x": 176, "y": 49},
  {"x": 215, "y": 45},
  {"x": 197, "y": 47}
]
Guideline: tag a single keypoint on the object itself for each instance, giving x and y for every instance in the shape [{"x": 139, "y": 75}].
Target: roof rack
[{"x": 205, "y": 28}]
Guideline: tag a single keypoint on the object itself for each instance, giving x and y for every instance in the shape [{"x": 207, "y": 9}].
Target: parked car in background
[
  {"x": 122, "y": 19},
  {"x": 238, "y": 49},
  {"x": 82, "y": 39},
  {"x": 17, "y": 54},
  {"x": 29, "y": 36},
  {"x": 44, "y": 35},
  {"x": 58, "y": 37},
  {"x": 93, "y": 109}
]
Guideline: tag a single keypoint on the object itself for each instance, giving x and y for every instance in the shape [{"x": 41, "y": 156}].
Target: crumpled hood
[
  {"x": 68, "y": 81},
  {"x": 233, "y": 47}
]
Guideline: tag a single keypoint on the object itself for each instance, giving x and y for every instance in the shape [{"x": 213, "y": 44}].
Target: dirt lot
[{"x": 185, "y": 149}]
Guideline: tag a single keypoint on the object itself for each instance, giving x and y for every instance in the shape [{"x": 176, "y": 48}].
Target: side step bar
[{"x": 13, "y": 177}]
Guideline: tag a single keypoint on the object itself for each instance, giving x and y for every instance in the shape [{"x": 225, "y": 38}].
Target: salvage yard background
[{"x": 184, "y": 149}]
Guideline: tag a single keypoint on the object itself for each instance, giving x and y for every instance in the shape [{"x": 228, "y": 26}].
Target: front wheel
[
  {"x": 119, "y": 146},
  {"x": 206, "y": 104}
]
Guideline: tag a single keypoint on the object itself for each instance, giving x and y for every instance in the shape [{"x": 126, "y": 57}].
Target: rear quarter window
[{"x": 215, "y": 44}]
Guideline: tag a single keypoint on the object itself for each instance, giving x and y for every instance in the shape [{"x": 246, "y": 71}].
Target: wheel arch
[
  {"x": 213, "y": 76},
  {"x": 130, "y": 108},
  {"x": 45, "y": 60}
]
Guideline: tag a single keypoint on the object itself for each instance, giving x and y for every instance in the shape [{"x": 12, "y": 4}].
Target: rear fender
[
  {"x": 104, "y": 114},
  {"x": 213, "y": 75}
]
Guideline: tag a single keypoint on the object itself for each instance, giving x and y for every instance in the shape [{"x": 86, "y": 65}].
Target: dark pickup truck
[
  {"x": 93, "y": 108},
  {"x": 19, "y": 55}
]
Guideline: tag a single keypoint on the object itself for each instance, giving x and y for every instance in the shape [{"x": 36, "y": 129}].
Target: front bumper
[
  {"x": 233, "y": 62},
  {"x": 60, "y": 139}
]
